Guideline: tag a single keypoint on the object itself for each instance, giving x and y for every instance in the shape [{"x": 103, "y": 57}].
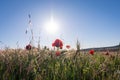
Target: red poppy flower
[
  {"x": 91, "y": 52},
  {"x": 53, "y": 44},
  {"x": 28, "y": 47},
  {"x": 67, "y": 46},
  {"x": 57, "y": 43},
  {"x": 57, "y": 53}
]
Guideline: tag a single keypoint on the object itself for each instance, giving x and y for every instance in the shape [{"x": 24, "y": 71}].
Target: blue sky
[{"x": 96, "y": 23}]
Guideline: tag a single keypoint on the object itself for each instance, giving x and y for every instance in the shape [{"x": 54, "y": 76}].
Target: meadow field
[
  {"x": 59, "y": 40},
  {"x": 44, "y": 64}
]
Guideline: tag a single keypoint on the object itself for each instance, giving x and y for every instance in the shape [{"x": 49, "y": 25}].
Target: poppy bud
[
  {"x": 28, "y": 47},
  {"x": 60, "y": 47},
  {"x": 107, "y": 53}
]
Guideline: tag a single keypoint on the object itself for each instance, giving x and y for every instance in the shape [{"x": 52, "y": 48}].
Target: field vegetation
[{"x": 45, "y": 64}]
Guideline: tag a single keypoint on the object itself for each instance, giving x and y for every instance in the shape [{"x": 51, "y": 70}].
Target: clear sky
[{"x": 96, "y": 23}]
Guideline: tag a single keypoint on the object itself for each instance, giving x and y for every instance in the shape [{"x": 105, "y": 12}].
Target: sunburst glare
[{"x": 51, "y": 26}]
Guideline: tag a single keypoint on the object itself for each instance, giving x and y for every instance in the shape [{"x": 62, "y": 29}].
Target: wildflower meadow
[{"x": 58, "y": 64}]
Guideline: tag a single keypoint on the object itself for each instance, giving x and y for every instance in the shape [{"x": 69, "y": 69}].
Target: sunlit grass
[{"x": 45, "y": 65}]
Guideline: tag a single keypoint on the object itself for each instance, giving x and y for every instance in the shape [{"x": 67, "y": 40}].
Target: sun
[{"x": 51, "y": 26}]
